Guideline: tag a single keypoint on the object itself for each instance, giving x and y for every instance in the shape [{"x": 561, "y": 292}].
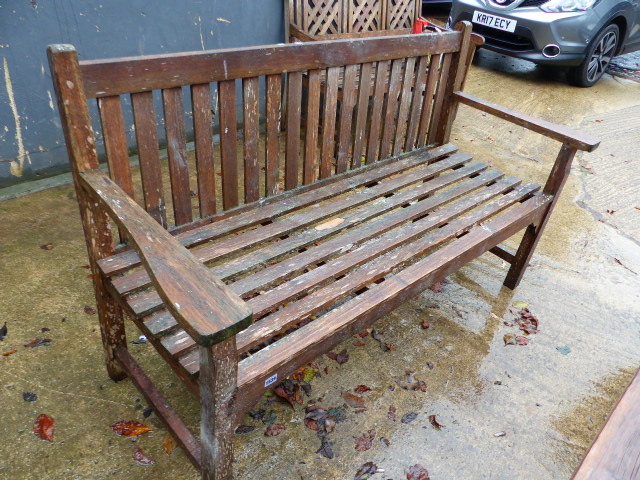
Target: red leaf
[
  {"x": 522, "y": 340},
  {"x": 43, "y": 427},
  {"x": 130, "y": 428},
  {"x": 37, "y": 342},
  {"x": 342, "y": 357},
  {"x": 274, "y": 430},
  {"x": 362, "y": 389},
  {"x": 354, "y": 401},
  {"x": 290, "y": 392},
  {"x": 425, "y": 324},
  {"x": 434, "y": 422},
  {"x": 10, "y": 352},
  {"x": 436, "y": 287},
  {"x": 418, "y": 472},
  {"x": 141, "y": 457},
  {"x": 364, "y": 442},
  {"x": 392, "y": 413},
  {"x": 364, "y": 333},
  {"x": 358, "y": 344}
]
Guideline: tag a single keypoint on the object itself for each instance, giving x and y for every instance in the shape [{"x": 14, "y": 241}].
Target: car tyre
[{"x": 599, "y": 55}]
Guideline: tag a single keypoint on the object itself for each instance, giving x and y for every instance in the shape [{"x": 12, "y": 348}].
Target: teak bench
[
  {"x": 313, "y": 20},
  {"x": 309, "y": 234}
]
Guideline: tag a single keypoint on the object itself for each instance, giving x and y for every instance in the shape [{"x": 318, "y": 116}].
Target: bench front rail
[{"x": 250, "y": 256}]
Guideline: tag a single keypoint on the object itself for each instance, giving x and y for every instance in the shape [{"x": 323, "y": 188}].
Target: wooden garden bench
[
  {"x": 254, "y": 256},
  {"x": 313, "y": 20}
]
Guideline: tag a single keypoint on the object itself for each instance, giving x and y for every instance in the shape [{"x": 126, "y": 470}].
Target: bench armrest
[
  {"x": 199, "y": 301},
  {"x": 563, "y": 134}
]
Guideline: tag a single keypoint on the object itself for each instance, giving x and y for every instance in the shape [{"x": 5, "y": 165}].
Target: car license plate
[{"x": 494, "y": 21}]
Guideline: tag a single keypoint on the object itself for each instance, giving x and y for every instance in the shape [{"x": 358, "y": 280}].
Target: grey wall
[{"x": 31, "y": 143}]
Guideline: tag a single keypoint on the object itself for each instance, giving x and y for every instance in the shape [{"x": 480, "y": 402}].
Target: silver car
[{"x": 583, "y": 35}]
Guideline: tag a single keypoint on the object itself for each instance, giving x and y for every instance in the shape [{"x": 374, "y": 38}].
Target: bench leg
[
  {"x": 554, "y": 185},
  {"x": 218, "y": 376}
]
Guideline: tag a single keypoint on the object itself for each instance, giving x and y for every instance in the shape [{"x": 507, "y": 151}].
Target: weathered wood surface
[
  {"x": 201, "y": 303},
  {"x": 615, "y": 453}
]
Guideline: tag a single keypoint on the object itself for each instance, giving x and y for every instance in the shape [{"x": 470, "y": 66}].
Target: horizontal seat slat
[
  {"x": 381, "y": 263},
  {"x": 137, "y": 280},
  {"x": 305, "y": 344},
  {"x": 273, "y": 207}
]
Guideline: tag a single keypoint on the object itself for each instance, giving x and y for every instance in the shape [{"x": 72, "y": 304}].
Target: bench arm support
[
  {"x": 199, "y": 301},
  {"x": 577, "y": 140}
]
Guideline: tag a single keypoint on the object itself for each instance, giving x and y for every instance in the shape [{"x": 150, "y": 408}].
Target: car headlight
[{"x": 556, "y": 6}]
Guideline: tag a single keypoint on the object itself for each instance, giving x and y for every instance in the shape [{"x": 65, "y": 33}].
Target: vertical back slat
[
  {"x": 346, "y": 117},
  {"x": 405, "y": 101},
  {"x": 416, "y": 102},
  {"x": 177, "y": 152},
  {"x": 144, "y": 118},
  {"x": 115, "y": 142},
  {"x": 395, "y": 83},
  {"x": 427, "y": 105},
  {"x": 364, "y": 94},
  {"x": 376, "y": 111},
  {"x": 329, "y": 121},
  {"x": 294, "y": 106},
  {"x": 251, "y": 139},
  {"x": 273, "y": 103},
  {"x": 203, "y": 139},
  {"x": 310, "y": 171},
  {"x": 228, "y": 143},
  {"x": 437, "y": 102}
]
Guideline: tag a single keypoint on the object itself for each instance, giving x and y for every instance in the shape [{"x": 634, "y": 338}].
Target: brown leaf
[
  {"x": 436, "y": 287},
  {"x": 3, "y": 331},
  {"x": 47, "y": 246},
  {"x": 392, "y": 413},
  {"x": 290, "y": 392},
  {"x": 354, "y": 401},
  {"x": 130, "y": 428},
  {"x": 425, "y": 324},
  {"x": 274, "y": 430},
  {"x": 409, "y": 417},
  {"x": 141, "y": 457},
  {"x": 418, "y": 472},
  {"x": 380, "y": 338},
  {"x": 434, "y": 422},
  {"x": 10, "y": 352},
  {"x": 362, "y": 389},
  {"x": 89, "y": 310},
  {"x": 365, "y": 471},
  {"x": 37, "y": 342},
  {"x": 409, "y": 382},
  {"x": 169, "y": 444},
  {"x": 359, "y": 344},
  {"x": 509, "y": 339},
  {"x": 364, "y": 333},
  {"x": 43, "y": 427},
  {"x": 325, "y": 449},
  {"x": 364, "y": 442},
  {"x": 522, "y": 341},
  {"x": 341, "y": 358}
]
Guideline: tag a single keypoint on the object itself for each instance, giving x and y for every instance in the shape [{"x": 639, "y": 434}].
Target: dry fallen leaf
[
  {"x": 409, "y": 417},
  {"x": 89, "y": 310},
  {"x": 365, "y": 471},
  {"x": 130, "y": 428},
  {"x": 47, "y": 246},
  {"x": 245, "y": 429},
  {"x": 325, "y": 449},
  {"x": 364, "y": 442},
  {"x": 3, "y": 331},
  {"x": 392, "y": 413},
  {"x": 341, "y": 358},
  {"x": 354, "y": 401},
  {"x": 434, "y": 422},
  {"x": 409, "y": 382},
  {"x": 418, "y": 472},
  {"x": 37, "y": 342},
  {"x": 141, "y": 457},
  {"x": 362, "y": 389},
  {"x": 10, "y": 352},
  {"x": 289, "y": 391},
  {"x": 43, "y": 427},
  {"x": 169, "y": 444}
]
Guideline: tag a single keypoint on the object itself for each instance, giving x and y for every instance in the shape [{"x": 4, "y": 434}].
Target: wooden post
[
  {"x": 218, "y": 378},
  {"x": 76, "y": 125},
  {"x": 554, "y": 185}
]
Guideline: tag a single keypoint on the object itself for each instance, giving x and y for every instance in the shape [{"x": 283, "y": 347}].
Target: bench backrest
[
  {"x": 348, "y": 103},
  {"x": 331, "y": 17}
]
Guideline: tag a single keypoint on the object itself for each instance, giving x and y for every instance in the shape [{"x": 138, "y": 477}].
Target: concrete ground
[{"x": 525, "y": 412}]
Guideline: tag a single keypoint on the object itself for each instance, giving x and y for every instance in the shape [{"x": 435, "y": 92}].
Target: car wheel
[{"x": 599, "y": 54}]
